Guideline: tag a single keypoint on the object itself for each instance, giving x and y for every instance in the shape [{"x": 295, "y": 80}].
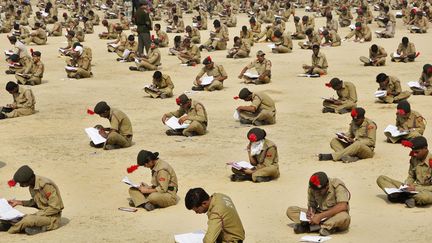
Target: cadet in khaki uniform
[
  {"x": 191, "y": 111},
  {"x": 377, "y": 56},
  {"x": 345, "y": 17},
  {"x": 35, "y": 74},
  {"x": 313, "y": 39},
  {"x": 210, "y": 69},
  {"x": 193, "y": 34},
  {"x": 299, "y": 33},
  {"x": 419, "y": 176},
  {"x": 162, "y": 192},
  {"x": 81, "y": 62},
  {"x": 21, "y": 55},
  {"x": 39, "y": 36},
  {"x": 419, "y": 24},
  {"x": 425, "y": 80},
  {"x": 389, "y": 30},
  {"x": 357, "y": 143},
  {"x": 406, "y": 52},
  {"x": 162, "y": 86},
  {"x": 218, "y": 39},
  {"x": 130, "y": 50},
  {"x": 263, "y": 156},
  {"x": 241, "y": 48},
  {"x": 262, "y": 111},
  {"x": 110, "y": 34},
  {"x": 151, "y": 61},
  {"x": 190, "y": 54},
  {"x": 262, "y": 66},
  {"x": 328, "y": 207},
  {"x": 361, "y": 32},
  {"x": 246, "y": 35},
  {"x": 409, "y": 121},
  {"x": 224, "y": 224},
  {"x": 57, "y": 29},
  {"x": 119, "y": 135},
  {"x": 119, "y": 43},
  {"x": 283, "y": 43},
  {"x": 347, "y": 97},
  {"x": 23, "y": 104},
  {"x": 392, "y": 86},
  {"x": 45, "y": 196},
  {"x": 255, "y": 27},
  {"x": 319, "y": 62},
  {"x": 331, "y": 38},
  {"x": 177, "y": 25},
  {"x": 161, "y": 36}
]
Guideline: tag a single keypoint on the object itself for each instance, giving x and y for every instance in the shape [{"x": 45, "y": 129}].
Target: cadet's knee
[
  {"x": 292, "y": 211},
  {"x": 423, "y": 198}
]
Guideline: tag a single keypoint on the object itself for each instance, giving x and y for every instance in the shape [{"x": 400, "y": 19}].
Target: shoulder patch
[
  {"x": 162, "y": 179},
  {"x": 430, "y": 163},
  {"x": 48, "y": 195}
]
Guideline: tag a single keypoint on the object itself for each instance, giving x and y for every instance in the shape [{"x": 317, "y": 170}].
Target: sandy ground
[{"x": 54, "y": 144}]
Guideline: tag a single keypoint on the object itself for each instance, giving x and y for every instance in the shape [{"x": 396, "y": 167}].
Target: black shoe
[
  {"x": 201, "y": 47},
  {"x": 119, "y": 59},
  {"x": 328, "y": 110},
  {"x": 344, "y": 111},
  {"x": 173, "y": 132},
  {"x": 323, "y": 157},
  {"x": 263, "y": 179},
  {"x": 301, "y": 228},
  {"x": 96, "y": 146},
  {"x": 410, "y": 203},
  {"x": 198, "y": 88},
  {"x": 237, "y": 177},
  {"x": 149, "y": 207},
  {"x": 133, "y": 68},
  {"x": 34, "y": 230},
  {"x": 245, "y": 121},
  {"x": 2, "y": 116},
  {"x": 111, "y": 146},
  {"x": 4, "y": 226},
  {"x": 6, "y": 109},
  {"x": 9, "y": 72}
]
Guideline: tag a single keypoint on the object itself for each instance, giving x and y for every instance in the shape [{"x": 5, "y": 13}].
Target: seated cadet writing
[
  {"x": 408, "y": 121},
  {"x": 262, "y": 111},
  {"x": 347, "y": 97},
  {"x": 23, "y": 104}
]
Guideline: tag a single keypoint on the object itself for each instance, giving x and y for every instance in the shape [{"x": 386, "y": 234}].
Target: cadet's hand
[
  {"x": 164, "y": 118},
  {"x": 315, "y": 219},
  {"x": 13, "y": 106},
  {"x": 14, "y": 202},
  {"x": 182, "y": 119},
  {"x": 337, "y": 102},
  {"x": 198, "y": 81},
  {"x": 411, "y": 188},
  {"x": 248, "y": 171},
  {"x": 310, "y": 213},
  {"x": 240, "y": 76},
  {"x": 240, "y": 109},
  {"x": 103, "y": 133},
  {"x": 144, "y": 189}
]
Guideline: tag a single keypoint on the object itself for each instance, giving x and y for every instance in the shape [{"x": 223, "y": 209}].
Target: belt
[
  {"x": 129, "y": 136},
  {"x": 172, "y": 188}
]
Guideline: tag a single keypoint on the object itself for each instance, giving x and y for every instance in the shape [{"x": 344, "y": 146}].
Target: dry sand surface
[{"x": 54, "y": 144}]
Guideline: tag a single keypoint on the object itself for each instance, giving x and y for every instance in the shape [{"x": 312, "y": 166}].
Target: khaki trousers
[
  {"x": 422, "y": 198},
  {"x": 395, "y": 99},
  {"x": 160, "y": 199},
  {"x": 268, "y": 171},
  {"x": 356, "y": 149},
  {"x": 339, "y": 221},
  {"x": 33, "y": 220},
  {"x": 264, "y": 116},
  {"x": 348, "y": 105},
  {"x": 80, "y": 71},
  {"x": 195, "y": 128},
  {"x": 114, "y": 138},
  {"x": 20, "y": 112}
]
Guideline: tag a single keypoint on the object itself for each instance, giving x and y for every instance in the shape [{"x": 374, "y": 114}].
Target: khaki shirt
[
  {"x": 337, "y": 193},
  {"x": 194, "y": 33},
  {"x": 261, "y": 101},
  {"x": 333, "y": 37},
  {"x": 414, "y": 120},
  {"x": 154, "y": 56},
  {"x": 426, "y": 79},
  {"x": 299, "y": 28},
  {"x": 408, "y": 50},
  {"x": 217, "y": 71},
  {"x": 120, "y": 122},
  {"x": 381, "y": 52},
  {"x": 193, "y": 51},
  {"x": 196, "y": 112},
  {"x": 268, "y": 156},
  {"x": 332, "y": 25},
  {"x": 165, "y": 82},
  {"x": 420, "y": 172},
  {"x": 45, "y": 197},
  {"x": 164, "y": 178},
  {"x": 284, "y": 41},
  {"x": 256, "y": 28},
  {"x": 347, "y": 93},
  {"x": 131, "y": 46},
  {"x": 24, "y": 98},
  {"x": 246, "y": 36},
  {"x": 37, "y": 69},
  {"x": 222, "y": 35},
  {"x": 260, "y": 67},
  {"x": 163, "y": 37},
  {"x": 319, "y": 61},
  {"x": 393, "y": 86},
  {"x": 84, "y": 62},
  {"x": 365, "y": 133},
  {"x": 40, "y": 33},
  {"x": 315, "y": 38},
  {"x": 224, "y": 224}
]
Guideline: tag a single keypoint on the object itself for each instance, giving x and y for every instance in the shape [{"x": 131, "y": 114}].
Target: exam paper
[
  {"x": 174, "y": 124},
  {"x": 94, "y": 135}
]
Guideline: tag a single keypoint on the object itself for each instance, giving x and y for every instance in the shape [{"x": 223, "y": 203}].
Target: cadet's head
[
  {"x": 154, "y": 44},
  {"x": 65, "y": 15},
  {"x": 102, "y": 109},
  {"x": 147, "y": 159},
  {"x": 55, "y": 18},
  {"x": 13, "y": 58},
  {"x": 131, "y": 38},
  {"x": 37, "y": 25},
  {"x": 344, "y": 9},
  {"x": 358, "y": 26},
  {"x": 403, "y": 108},
  {"x": 91, "y": 13},
  {"x": 309, "y": 32},
  {"x": 197, "y": 200},
  {"x": 198, "y": 18},
  {"x": 186, "y": 42},
  {"x": 278, "y": 33},
  {"x": 244, "y": 29},
  {"x": 419, "y": 147},
  {"x": 175, "y": 18},
  {"x": 419, "y": 13},
  {"x": 305, "y": 18},
  {"x": 188, "y": 29},
  {"x": 256, "y": 134},
  {"x": 157, "y": 75},
  {"x": 157, "y": 27},
  {"x": 24, "y": 176},
  {"x": 260, "y": 56},
  {"x": 329, "y": 16},
  {"x": 16, "y": 26},
  {"x": 325, "y": 33},
  {"x": 36, "y": 55},
  {"x": 208, "y": 62},
  {"x": 70, "y": 34},
  {"x": 405, "y": 41},
  {"x": 12, "y": 39},
  {"x": 216, "y": 24},
  {"x": 105, "y": 22},
  {"x": 118, "y": 28},
  {"x": 386, "y": 8},
  {"x": 318, "y": 182},
  {"x": 374, "y": 48},
  {"x": 358, "y": 115},
  {"x": 427, "y": 69},
  {"x": 183, "y": 101},
  {"x": 177, "y": 39},
  {"x": 12, "y": 87},
  {"x": 245, "y": 94},
  {"x": 382, "y": 79},
  {"x": 335, "y": 84},
  {"x": 237, "y": 40},
  {"x": 296, "y": 19},
  {"x": 385, "y": 20},
  {"x": 315, "y": 49},
  {"x": 252, "y": 21}
]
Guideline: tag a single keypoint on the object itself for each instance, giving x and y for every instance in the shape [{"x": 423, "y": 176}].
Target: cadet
[
  {"x": 190, "y": 54},
  {"x": 119, "y": 135},
  {"x": 162, "y": 86},
  {"x": 392, "y": 86},
  {"x": 57, "y": 29},
  {"x": 357, "y": 143},
  {"x": 39, "y": 36},
  {"x": 191, "y": 111},
  {"x": 347, "y": 97},
  {"x": 262, "y": 111},
  {"x": 345, "y": 17},
  {"x": 161, "y": 36},
  {"x": 111, "y": 33},
  {"x": 162, "y": 192},
  {"x": 299, "y": 33},
  {"x": 45, "y": 196},
  {"x": 130, "y": 50},
  {"x": 218, "y": 38},
  {"x": 389, "y": 31},
  {"x": 361, "y": 32},
  {"x": 262, "y": 66},
  {"x": 241, "y": 48},
  {"x": 331, "y": 38},
  {"x": 263, "y": 156},
  {"x": 23, "y": 104},
  {"x": 377, "y": 56},
  {"x": 224, "y": 223},
  {"x": 151, "y": 61},
  {"x": 319, "y": 62},
  {"x": 406, "y": 52},
  {"x": 419, "y": 176},
  {"x": 328, "y": 207},
  {"x": 408, "y": 121},
  {"x": 313, "y": 39},
  {"x": 210, "y": 69},
  {"x": 34, "y": 74},
  {"x": 425, "y": 80},
  {"x": 419, "y": 24},
  {"x": 283, "y": 43},
  {"x": 193, "y": 34},
  {"x": 81, "y": 63}
]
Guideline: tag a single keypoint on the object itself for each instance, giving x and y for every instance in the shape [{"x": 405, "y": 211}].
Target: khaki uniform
[
  {"x": 25, "y": 103},
  {"x": 425, "y": 80},
  {"x": 260, "y": 67},
  {"x": 408, "y": 51},
  {"x": 421, "y": 23},
  {"x": 224, "y": 224},
  {"x": 219, "y": 41},
  {"x": 347, "y": 95},
  {"x": 194, "y": 52},
  {"x": 164, "y": 180},
  {"x": 132, "y": 47},
  {"x": 217, "y": 71},
  {"x": 195, "y": 36},
  {"x": 176, "y": 27},
  {"x": 319, "y": 64},
  {"x": 345, "y": 18},
  {"x": 120, "y": 41},
  {"x": 265, "y": 109},
  {"x": 283, "y": 44},
  {"x": 240, "y": 51},
  {"x": 337, "y": 193},
  {"x": 266, "y": 162},
  {"x": 197, "y": 116},
  {"x": 256, "y": 29},
  {"x": 111, "y": 34},
  {"x": 83, "y": 65},
  {"x": 389, "y": 31},
  {"x": 231, "y": 21},
  {"x": 57, "y": 29},
  {"x": 394, "y": 92},
  {"x": 333, "y": 38},
  {"x": 45, "y": 197},
  {"x": 152, "y": 61},
  {"x": 39, "y": 37},
  {"x": 364, "y": 33},
  {"x": 79, "y": 33},
  {"x": 332, "y": 25},
  {"x": 415, "y": 123},
  {"x": 88, "y": 27},
  {"x": 314, "y": 39},
  {"x": 6, "y": 25},
  {"x": 163, "y": 38},
  {"x": 165, "y": 86},
  {"x": 122, "y": 136},
  {"x": 25, "y": 59},
  {"x": 34, "y": 77},
  {"x": 248, "y": 37},
  {"x": 299, "y": 33},
  {"x": 364, "y": 141},
  {"x": 419, "y": 175},
  {"x": 380, "y": 61}
]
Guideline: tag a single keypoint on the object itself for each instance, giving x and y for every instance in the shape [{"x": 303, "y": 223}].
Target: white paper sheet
[
  {"x": 271, "y": 46},
  {"x": 415, "y": 84},
  {"x": 8, "y": 52},
  {"x": 241, "y": 165},
  {"x": 251, "y": 75},
  {"x": 393, "y": 130},
  {"x": 207, "y": 80},
  {"x": 113, "y": 45},
  {"x": 173, "y": 123},
  {"x": 94, "y": 135},
  {"x": 402, "y": 188},
  {"x": 236, "y": 115},
  {"x": 7, "y": 212},
  {"x": 71, "y": 68},
  {"x": 126, "y": 53},
  {"x": 194, "y": 24},
  {"x": 314, "y": 238},
  {"x": 129, "y": 182},
  {"x": 380, "y": 93},
  {"x": 194, "y": 237}
]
